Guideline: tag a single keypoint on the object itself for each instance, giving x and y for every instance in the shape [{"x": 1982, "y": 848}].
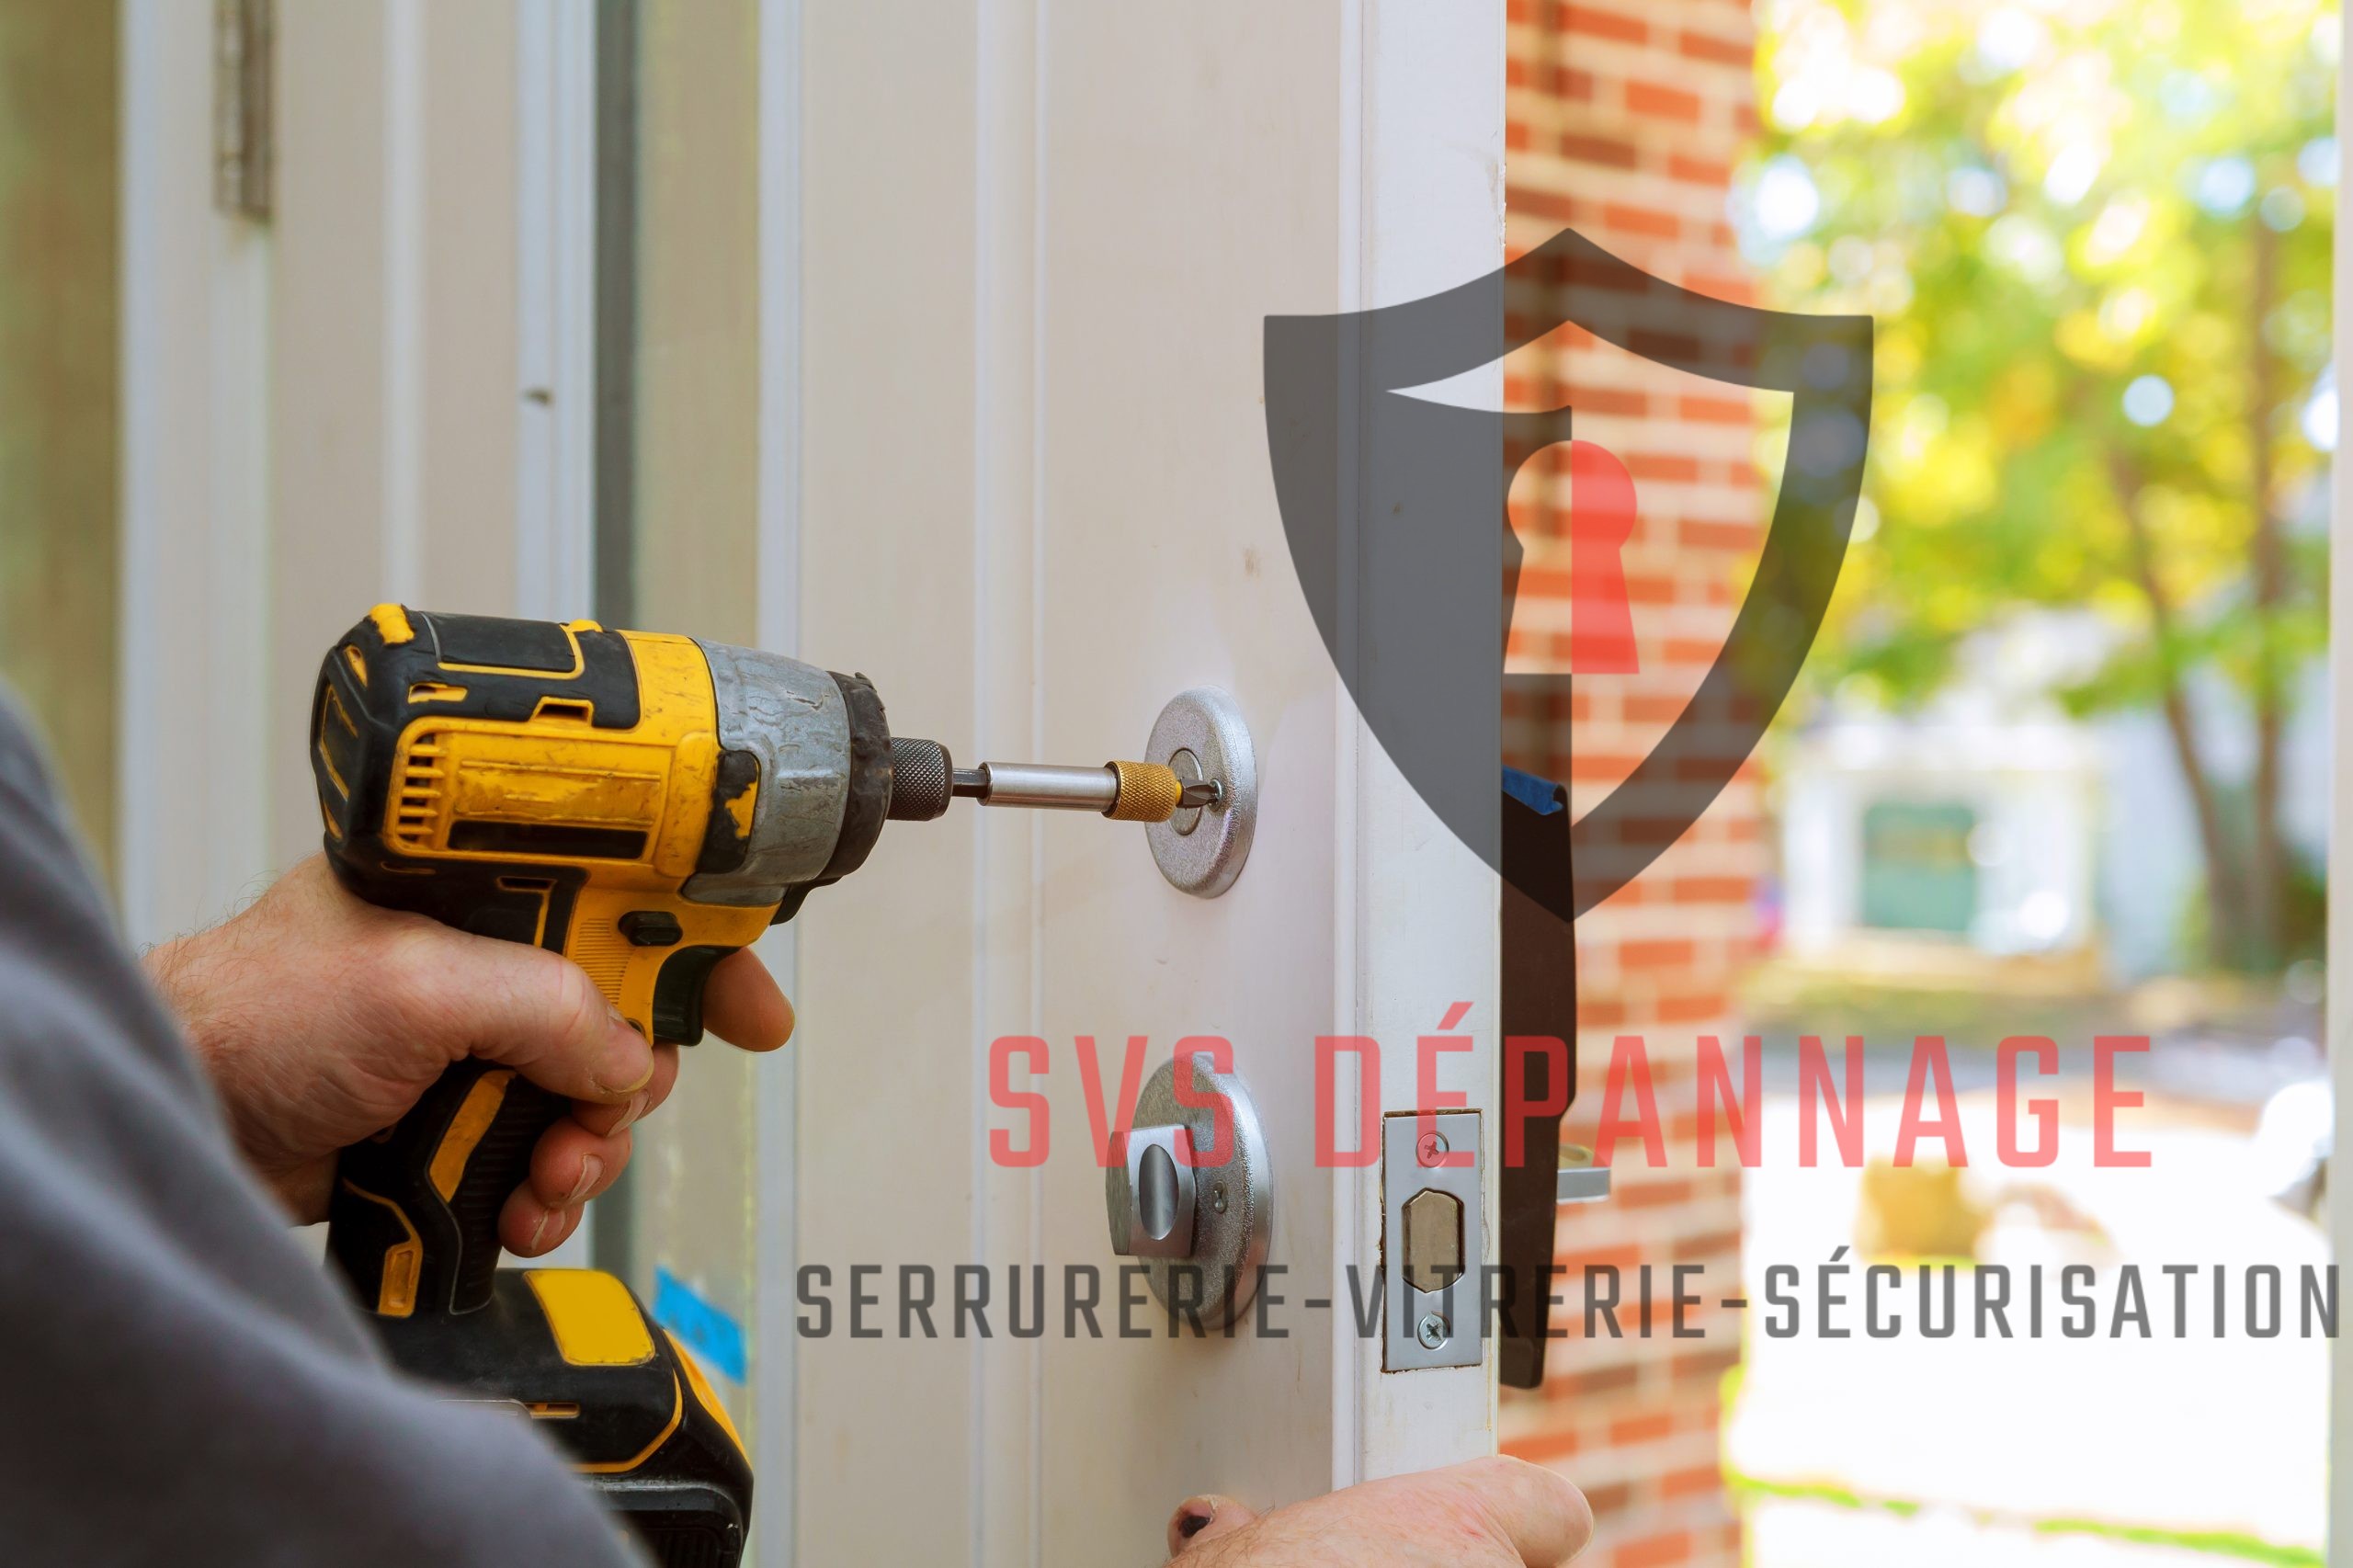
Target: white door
[{"x": 1028, "y": 255}]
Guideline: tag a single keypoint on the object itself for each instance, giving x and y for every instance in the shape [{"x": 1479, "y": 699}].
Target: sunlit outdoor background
[{"x": 2057, "y": 767}]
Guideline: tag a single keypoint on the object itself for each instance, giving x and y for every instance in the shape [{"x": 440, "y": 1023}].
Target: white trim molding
[
  {"x": 194, "y": 632},
  {"x": 555, "y": 298}
]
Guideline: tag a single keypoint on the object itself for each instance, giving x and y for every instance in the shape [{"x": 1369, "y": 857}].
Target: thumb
[
  {"x": 743, "y": 1005},
  {"x": 537, "y": 1012},
  {"x": 1204, "y": 1518}
]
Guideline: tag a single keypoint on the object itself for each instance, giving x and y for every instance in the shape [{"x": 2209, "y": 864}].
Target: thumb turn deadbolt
[{"x": 1198, "y": 1215}]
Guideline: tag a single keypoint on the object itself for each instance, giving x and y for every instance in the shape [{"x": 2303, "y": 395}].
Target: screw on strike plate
[
  {"x": 1430, "y": 1331},
  {"x": 1431, "y": 1146}
]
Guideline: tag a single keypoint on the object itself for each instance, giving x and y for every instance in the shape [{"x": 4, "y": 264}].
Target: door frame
[
  {"x": 193, "y": 634},
  {"x": 776, "y": 1111},
  {"x": 1421, "y": 211},
  {"x": 555, "y": 299},
  {"x": 2338, "y": 1021}
]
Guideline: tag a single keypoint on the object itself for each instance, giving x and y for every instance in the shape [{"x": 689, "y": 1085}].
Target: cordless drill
[{"x": 644, "y": 804}]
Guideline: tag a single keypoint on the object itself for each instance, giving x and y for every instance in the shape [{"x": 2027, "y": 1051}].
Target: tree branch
[{"x": 2225, "y": 888}]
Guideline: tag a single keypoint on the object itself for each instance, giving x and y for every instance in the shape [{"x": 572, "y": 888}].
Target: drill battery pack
[{"x": 575, "y": 1351}]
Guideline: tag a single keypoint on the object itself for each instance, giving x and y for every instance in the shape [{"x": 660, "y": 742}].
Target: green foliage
[
  {"x": 2097, "y": 237},
  {"x": 2234, "y": 1544},
  {"x": 2042, "y": 205}
]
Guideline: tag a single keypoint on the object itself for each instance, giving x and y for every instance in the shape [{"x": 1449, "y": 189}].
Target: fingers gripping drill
[{"x": 645, "y": 805}]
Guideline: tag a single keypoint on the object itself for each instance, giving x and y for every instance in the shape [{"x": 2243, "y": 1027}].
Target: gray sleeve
[{"x": 185, "y": 1385}]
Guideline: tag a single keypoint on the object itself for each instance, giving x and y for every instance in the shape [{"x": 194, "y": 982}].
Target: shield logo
[{"x": 1394, "y": 504}]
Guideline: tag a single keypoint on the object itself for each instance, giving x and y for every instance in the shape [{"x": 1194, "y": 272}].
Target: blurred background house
[{"x": 1990, "y": 835}]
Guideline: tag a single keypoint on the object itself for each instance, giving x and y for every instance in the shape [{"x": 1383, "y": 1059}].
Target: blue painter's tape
[
  {"x": 1539, "y": 795},
  {"x": 716, "y": 1339}
]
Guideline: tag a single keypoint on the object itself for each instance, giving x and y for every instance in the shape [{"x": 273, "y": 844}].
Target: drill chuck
[{"x": 920, "y": 775}]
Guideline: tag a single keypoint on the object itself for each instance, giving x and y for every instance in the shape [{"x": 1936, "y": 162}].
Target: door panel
[
  {"x": 1170, "y": 230},
  {"x": 1035, "y": 249}
]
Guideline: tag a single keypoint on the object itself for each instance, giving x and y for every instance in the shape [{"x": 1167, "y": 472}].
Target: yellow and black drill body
[{"x": 644, "y": 804}]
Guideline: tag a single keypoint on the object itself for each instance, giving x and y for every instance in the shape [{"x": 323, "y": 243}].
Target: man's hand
[
  {"x": 322, "y": 1019},
  {"x": 1491, "y": 1513}
]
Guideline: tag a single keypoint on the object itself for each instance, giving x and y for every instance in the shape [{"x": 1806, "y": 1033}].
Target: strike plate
[{"x": 1423, "y": 1202}]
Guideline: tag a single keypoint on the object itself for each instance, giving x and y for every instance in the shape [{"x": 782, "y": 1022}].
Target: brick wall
[{"x": 1625, "y": 120}]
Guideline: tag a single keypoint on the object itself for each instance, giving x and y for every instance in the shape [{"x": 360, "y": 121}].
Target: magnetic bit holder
[{"x": 1198, "y": 796}]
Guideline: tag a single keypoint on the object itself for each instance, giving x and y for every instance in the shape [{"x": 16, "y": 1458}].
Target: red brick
[
  {"x": 1610, "y": 152},
  {"x": 1609, "y": 400},
  {"x": 1548, "y": 205},
  {"x": 1609, "y": 1501},
  {"x": 1706, "y": 1365},
  {"x": 1662, "y": 102},
  {"x": 1655, "y": 1552},
  {"x": 1716, "y": 410},
  {"x": 1645, "y": 1428},
  {"x": 1715, "y": 1242},
  {"x": 1627, "y": 218},
  {"x": 1537, "y": 1448},
  {"x": 1739, "y": 290},
  {"x": 1595, "y": 1012},
  {"x": 1701, "y": 534},
  {"x": 1661, "y": 466},
  {"x": 1692, "y": 1008},
  {"x": 1647, "y": 708},
  {"x": 1657, "y": 953},
  {"x": 1596, "y": 22},
  {"x": 1725, "y": 50},
  {"x": 1699, "y": 171},
  {"x": 1652, "y": 1194},
  {"x": 1573, "y": 1264},
  {"x": 1713, "y": 890},
  {"x": 1698, "y": 1481}
]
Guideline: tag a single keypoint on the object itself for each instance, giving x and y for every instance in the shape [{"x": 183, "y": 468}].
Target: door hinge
[{"x": 244, "y": 159}]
